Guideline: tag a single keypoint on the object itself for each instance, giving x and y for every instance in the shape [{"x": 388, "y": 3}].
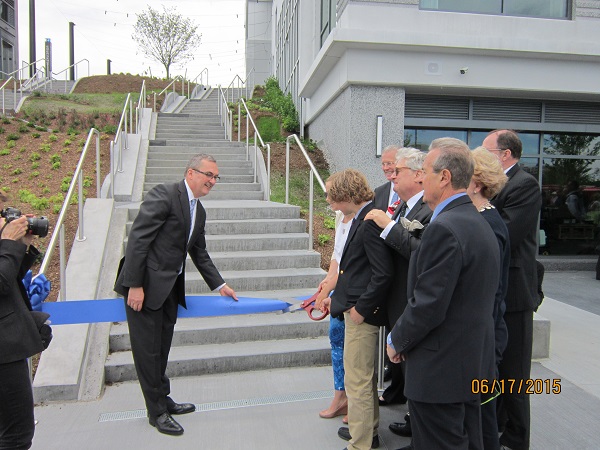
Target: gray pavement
[{"x": 277, "y": 409}]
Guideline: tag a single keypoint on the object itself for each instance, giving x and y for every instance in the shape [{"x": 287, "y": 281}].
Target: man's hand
[
  {"x": 135, "y": 298},
  {"x": 16, "y": 229},
  {"x": 394, "y": 356},
  {"x": 379, "y": 217},
  {"x": 324, "y": 305},
  {"x": 356, "y": 317},
  {"x": 226, "y": 291}
]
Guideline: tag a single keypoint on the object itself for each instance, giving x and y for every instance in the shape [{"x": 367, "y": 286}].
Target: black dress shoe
[
  {"x": 401, "y": 428},
  {"x": 344, "y": 433},
  {"x": 180, "y": 408},
  {"x": 166, "y": 424}
]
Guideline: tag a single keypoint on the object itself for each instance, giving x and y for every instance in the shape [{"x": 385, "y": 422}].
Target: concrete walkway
[{"x": 278, "y": 409}]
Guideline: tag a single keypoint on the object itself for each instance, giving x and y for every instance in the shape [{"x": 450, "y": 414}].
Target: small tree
[{"x": 166, "y": 37}]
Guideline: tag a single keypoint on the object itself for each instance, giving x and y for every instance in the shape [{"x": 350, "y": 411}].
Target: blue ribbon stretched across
[
  {"x": 113, "y": 309},
  {"x": 37, "y": 288}
]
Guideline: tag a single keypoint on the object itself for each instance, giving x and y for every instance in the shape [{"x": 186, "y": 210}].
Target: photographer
[{"x": 19, "y": 336}]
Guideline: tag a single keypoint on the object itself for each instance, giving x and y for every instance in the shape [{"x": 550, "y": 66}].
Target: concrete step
[
  {"x": 182, "y": 155},
  {"x": 223, "y": 187},
  {"x": 252, "y": 242},
  {"x": 178, "y": 143},
  {"x": 189, "y": 135},
  {"x": 204, "y": 125},
  {"x": 221, "y": 195},
  {"x": 255, "y": 226},
  {"x": 225, "y": 178},
  {"x": 262, "y": 260},
  {"x": 195, "y": 360},
  {"x": 224, "y": 170},
  {"x": 232, "y": 329},
  {"x": 231, "y": 210},
  {"x": 155, "y": 163}
]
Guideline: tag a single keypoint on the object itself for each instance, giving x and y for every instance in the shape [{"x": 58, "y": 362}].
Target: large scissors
[{"x": 308, "y": 305}]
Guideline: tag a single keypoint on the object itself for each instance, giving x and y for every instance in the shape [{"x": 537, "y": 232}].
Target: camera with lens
[{"x": 38, "y": 226}]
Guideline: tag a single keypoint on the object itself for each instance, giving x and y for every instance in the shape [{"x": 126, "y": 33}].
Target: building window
[
  {"x": 327, "y": 18},
  {"x": 550, "y": 9},
  {"x": 7, "y": 13}
]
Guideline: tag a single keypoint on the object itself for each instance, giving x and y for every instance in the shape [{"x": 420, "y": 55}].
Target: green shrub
[
  {"x": 53, "y": 138},
  {"x": 323, "y": 239},
  {"x": 35, "y": 135},
  {"x": 23, "y": 128},
  {"x": 45, "y": 148},
  {"x": 35, "y": 157},
  {"x": 109, "y": 129},
  {"x": 56, "y": 165},
  {"x": 12, "y": 137},
  {"x": 11, "y": 144},
  {"x": 54, "y": 158},
  {"x": 329, "y": 223},
  {"x": 4, "y": 152},
  {"x": 281, "y": 104},
  {"x": 6, "y": 120},
  {"x": 64, "y": 184},
  {"x": 17, "y": 171},
  {"x": 31, "y": 124},
  {"x": 67, "y": 142},
  {"x": 2, "y": 130},
  {"x": 269, "y": 128},
  {"x": 35, "y": 165},
  {"x": 35, "y": 173}
]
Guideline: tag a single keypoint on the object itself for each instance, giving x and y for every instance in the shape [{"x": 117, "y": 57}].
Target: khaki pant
[{"x": 360, "y": 352}]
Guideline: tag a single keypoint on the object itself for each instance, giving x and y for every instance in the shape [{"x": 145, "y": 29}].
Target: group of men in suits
[{"x": 445, "y": 268}]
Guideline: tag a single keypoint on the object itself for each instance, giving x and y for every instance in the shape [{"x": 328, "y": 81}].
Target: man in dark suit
[
  {"x": 19, "y": 336},
  {"x": 408, "y": 184},
  {"x": 446, "y": 332},
  {"x": 519, "y": 204},
  {"x": 364, "y": 279},
  {"x": 152, "y": 280},
  {"x": 384, "y": 194}
]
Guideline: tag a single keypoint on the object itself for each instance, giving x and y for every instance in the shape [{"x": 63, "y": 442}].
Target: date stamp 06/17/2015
[{"x": 514, "y": 386}]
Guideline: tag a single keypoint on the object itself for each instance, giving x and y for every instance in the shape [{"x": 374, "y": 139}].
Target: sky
[{"x": 103, "y": 31}]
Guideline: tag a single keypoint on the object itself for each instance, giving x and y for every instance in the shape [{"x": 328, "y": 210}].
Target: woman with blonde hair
[{"x": 488, "y": 180}]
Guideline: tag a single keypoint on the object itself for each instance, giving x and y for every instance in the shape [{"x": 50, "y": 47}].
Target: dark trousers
[
  {"x": 151, "y": 333},
  {"x": 513, "y": 408},
  {"x": 394, "y": 393},
  {"x": 489, "y": 426},
  {"x": 445, "y": 426},
  {"x": 16, "y": 406}
]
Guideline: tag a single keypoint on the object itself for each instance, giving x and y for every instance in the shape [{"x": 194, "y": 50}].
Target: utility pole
[
  {"x": 72, "y": 50},
  {"x": 108, "y": 61},
  {"x": 31, "y": 38}
]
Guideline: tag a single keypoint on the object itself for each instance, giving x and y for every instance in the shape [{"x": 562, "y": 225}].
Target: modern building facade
[
  {"x": 370, "y": 73},
  {"x": 8, "y": 38}
]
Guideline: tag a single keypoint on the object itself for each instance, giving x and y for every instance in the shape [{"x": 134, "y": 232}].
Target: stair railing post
[
  {"x": 311, "y": 189},
  {"x": 268, "y": 184},
  {"x": 98, "y": 184},
  {"x": 63, "y": 263},
  {"x": 247, "y": 135},
  {"x": 287, "y": 171},
  {"x": 239, "y": 119},
  {"x": 14, "y": 96},
  {"x": 80, "y": 234},
  {"x": 230, "y": 126},
  {"x": 112, "y": 169},
  {"x": 255, "y": 152}
]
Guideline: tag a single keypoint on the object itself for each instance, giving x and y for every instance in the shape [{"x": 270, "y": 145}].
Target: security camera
[{"x": 464, "y": 70}]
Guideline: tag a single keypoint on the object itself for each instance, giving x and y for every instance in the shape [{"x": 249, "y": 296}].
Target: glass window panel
[
  {"x": 531, "y": 166},
  {"x": 537, "y": 8},
  {"x": 570, "y": 217},
  {"x": 572, "y": 144},
  {"x": 473, "y": 6},
  {"x": 530, "y": 141},
  {"x": 422, "y": 138}
]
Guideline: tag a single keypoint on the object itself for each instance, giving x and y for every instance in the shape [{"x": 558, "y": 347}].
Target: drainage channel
[{"x": 218, "y": 406}]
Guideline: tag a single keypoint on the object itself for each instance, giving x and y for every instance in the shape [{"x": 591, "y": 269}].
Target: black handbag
[{"x": 43, "y": 325}]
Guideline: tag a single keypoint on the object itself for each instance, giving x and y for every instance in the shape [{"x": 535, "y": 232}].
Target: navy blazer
[
  {"x": 366, "y": 271},
  {"x": 19, "y": 337},
  {"x": 158, "y": 243},
  {"x": 447, "y": 330},
  {"x": 519, "y": 204},
  {"x": 382, "y": 196}
]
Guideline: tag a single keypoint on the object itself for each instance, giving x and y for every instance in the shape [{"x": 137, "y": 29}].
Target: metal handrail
[
  {"x": 178, "y": 77},
  {"x": 2, "y": 88},
  {"x": 77, "y": 175},
  {"x": 139, "y": 110},
  {"x": 195, "y": 81},
  {"x": 225, "y": 114},
  {"x": 119, "y": 140},
  {"x": 75, "y": 65},
  {"x": 243, "y": 83},
  {"x": 313, "y": 173},
  {"x": 262, "y": 143}
]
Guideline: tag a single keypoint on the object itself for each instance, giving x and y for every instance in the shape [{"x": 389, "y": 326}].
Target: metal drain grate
[{"x": 217, "y": 406}]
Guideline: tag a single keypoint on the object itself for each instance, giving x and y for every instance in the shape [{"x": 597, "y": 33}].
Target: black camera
[{"x": 38, "y": 226}]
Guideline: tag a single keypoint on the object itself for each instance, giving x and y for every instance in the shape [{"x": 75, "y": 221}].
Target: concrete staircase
[{"x": 261, "y": 248}]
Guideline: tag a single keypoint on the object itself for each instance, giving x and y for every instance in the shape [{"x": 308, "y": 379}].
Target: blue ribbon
[
  {"x": 37, "y": 288},
  {"x": 113, "y": 309}
]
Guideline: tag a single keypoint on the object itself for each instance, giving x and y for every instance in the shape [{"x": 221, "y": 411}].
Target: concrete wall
[
  {"x": 587, "y": 8},
  {"x": 346, "y": 129}
]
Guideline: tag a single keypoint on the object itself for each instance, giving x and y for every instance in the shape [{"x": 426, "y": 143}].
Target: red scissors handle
[{"x": 309, "y": 306}]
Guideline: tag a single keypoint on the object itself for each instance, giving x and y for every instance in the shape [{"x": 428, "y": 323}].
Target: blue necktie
[{"x": 192, "y": 208}]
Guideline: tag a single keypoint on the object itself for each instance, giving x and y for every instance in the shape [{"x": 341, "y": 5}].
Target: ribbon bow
[
  {"x": 393, "y": 207},
  {"x": 37, "y": 288}
]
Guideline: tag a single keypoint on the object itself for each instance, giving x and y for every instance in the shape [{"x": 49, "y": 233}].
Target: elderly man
[
  {"x": 446, "y": 332},
  {"x": 366, "y": 270},
  {"x": 170, "y": 225},
  {"x": 519, "y": 204},
  {"x": 408, "y": 184},
  {"x": 385, "y": 196}
]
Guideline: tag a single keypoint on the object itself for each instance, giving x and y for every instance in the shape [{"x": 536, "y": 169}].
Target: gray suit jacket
[
  {"x": 158, "y": 243},
  {"x": 403, "y": 243},
  {"x": 519, "y": 204},
  {"x": 447, "y": 329}
]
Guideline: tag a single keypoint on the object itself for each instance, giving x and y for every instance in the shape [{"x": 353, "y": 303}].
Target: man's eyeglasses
[
  {"x": 210, "y": 175},
  {"x": 496, "y": 149},
  {"x": 399, "y": 169}
]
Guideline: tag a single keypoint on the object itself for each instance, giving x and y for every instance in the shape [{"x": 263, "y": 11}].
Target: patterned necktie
[
  {"x": 192, "y": 208},
  {"x": 393, "y": 207},
  {"x": 402, "y": 211}
]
